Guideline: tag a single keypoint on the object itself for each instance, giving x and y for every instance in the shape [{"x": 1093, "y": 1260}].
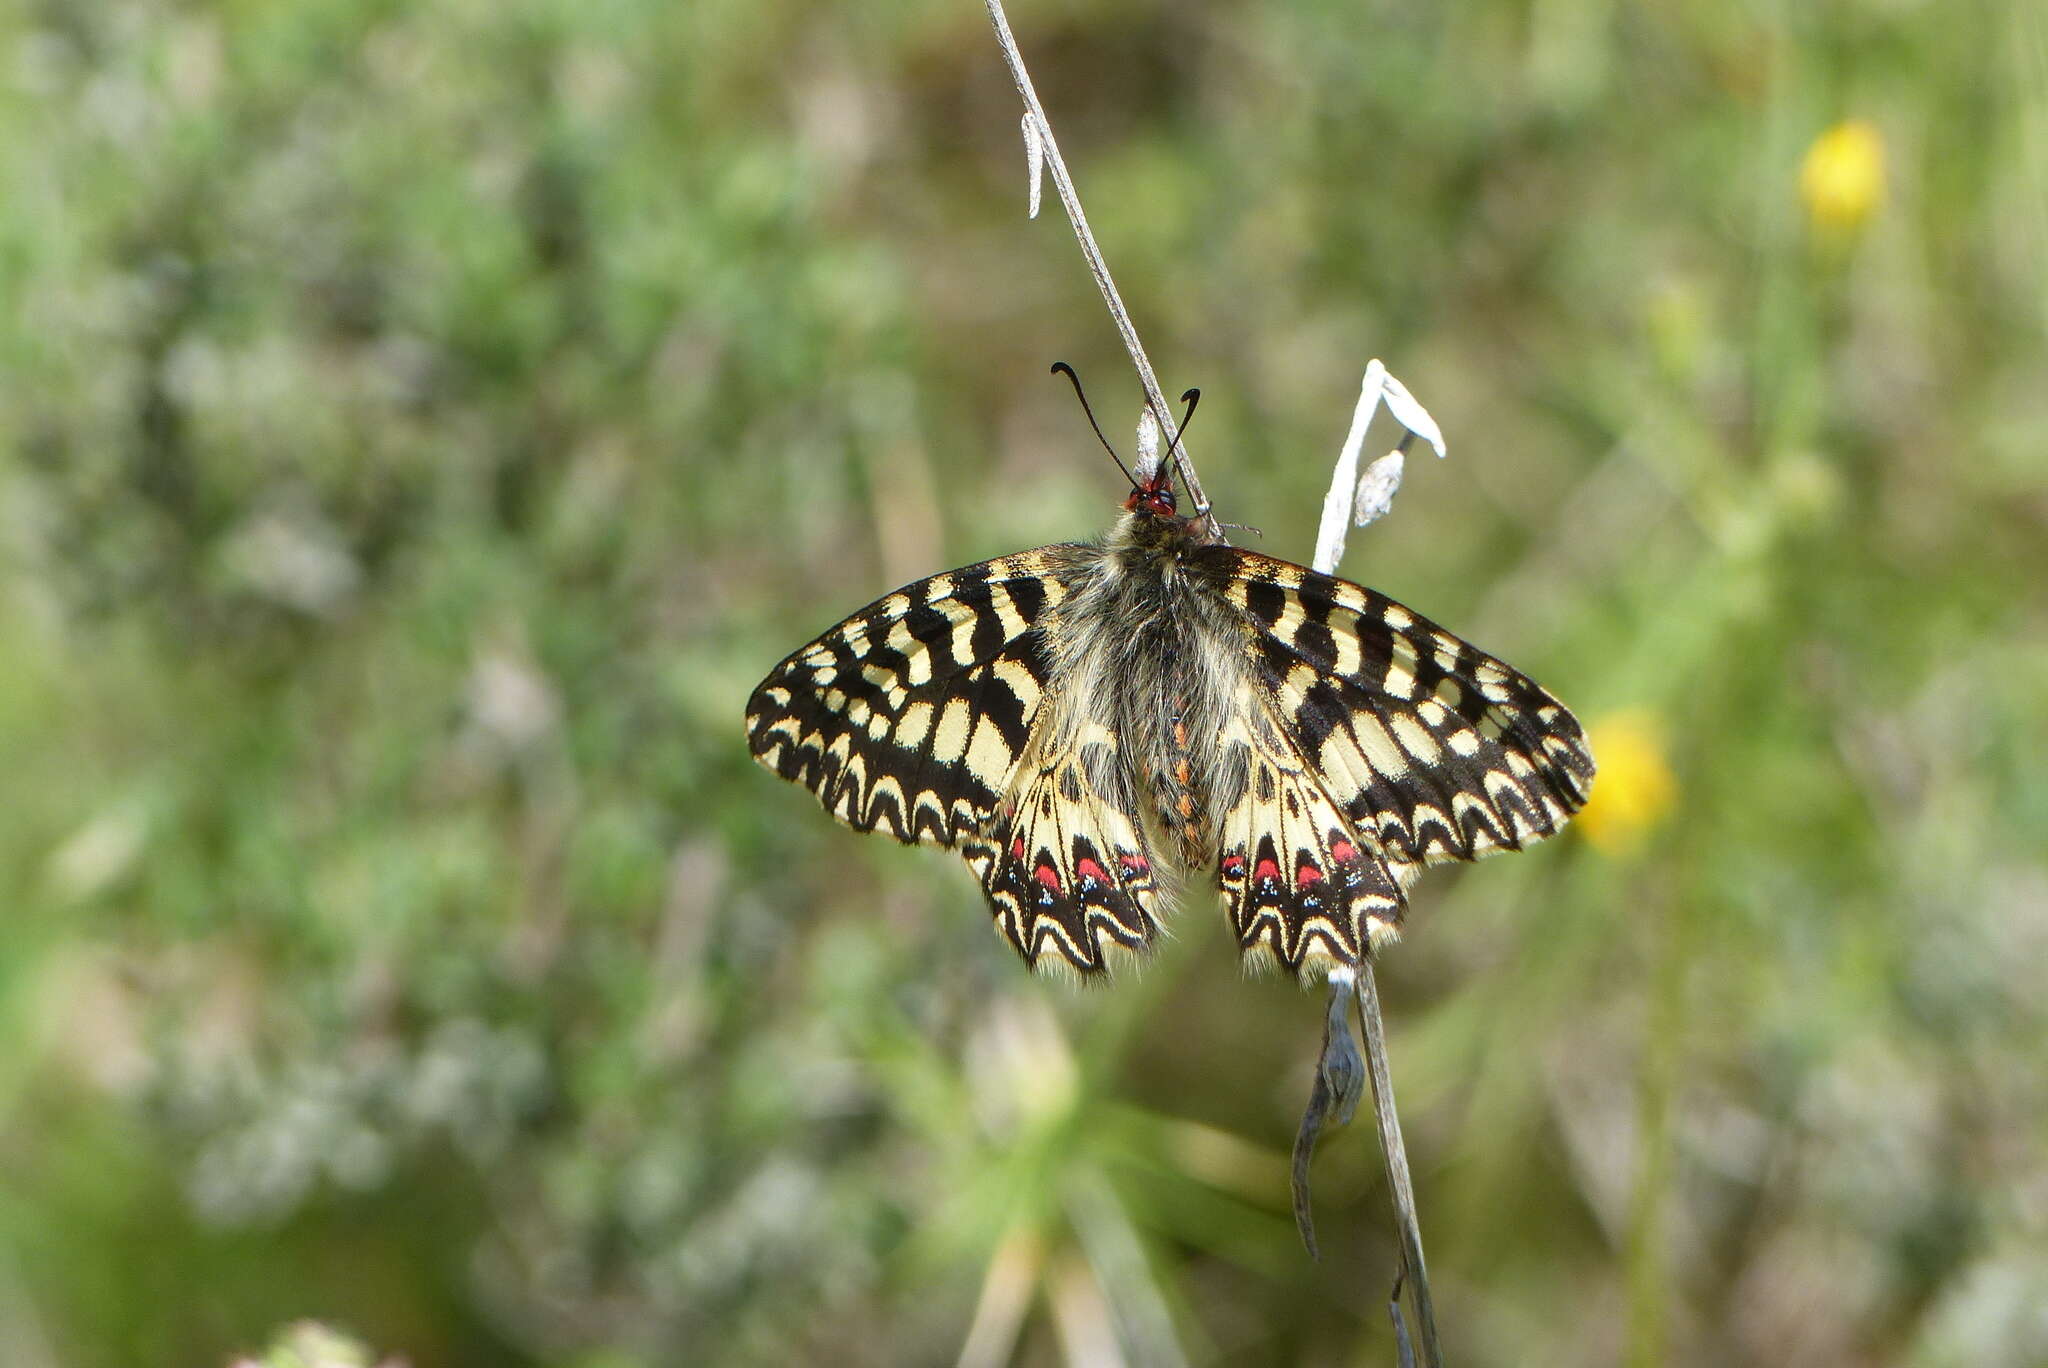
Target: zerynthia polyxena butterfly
[{"x": 1072, "y": 718}]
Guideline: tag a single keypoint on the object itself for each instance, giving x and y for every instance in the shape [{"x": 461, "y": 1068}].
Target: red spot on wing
[
  {"x": 1267, "y": 870},
  {"x": 1342, "y": 851},
  {"x": 1133, "y": 864},
  {"x": 1307, "y": 875},
  {"x": 1017, "y": 849},
  {"x": 1048, "y": 876},
  {"x": 1233, "y": 865},
  {"x": 1088, "y": 869}
]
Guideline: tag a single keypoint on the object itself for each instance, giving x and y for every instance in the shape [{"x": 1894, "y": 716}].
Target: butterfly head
[
  {"x": 1152, "y": 488},
  {"x": 1154, "y": 496}
]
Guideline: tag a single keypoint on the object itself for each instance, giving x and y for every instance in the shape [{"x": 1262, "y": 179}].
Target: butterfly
[{"x": 1087, "y": 722}]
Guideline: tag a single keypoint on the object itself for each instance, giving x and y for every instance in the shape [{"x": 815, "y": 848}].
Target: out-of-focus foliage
[
  {"x": 308, "y": 1344},
  {"x": 420, "y": 424}
]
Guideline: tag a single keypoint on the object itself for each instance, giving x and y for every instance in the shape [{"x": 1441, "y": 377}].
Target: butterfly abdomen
[{"x": 1144, "y": 643}]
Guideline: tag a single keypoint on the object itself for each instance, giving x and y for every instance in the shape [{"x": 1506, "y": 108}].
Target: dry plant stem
[
  {"x": 1340, "y": 1076},
  {"x": 1413, "y": 1270},
  {"x": 1404, "y": 1348},
  {"x": 1099, "y": 268}
]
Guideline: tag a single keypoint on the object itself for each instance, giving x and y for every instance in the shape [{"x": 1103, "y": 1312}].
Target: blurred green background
[{"x": 421, "y": 425}]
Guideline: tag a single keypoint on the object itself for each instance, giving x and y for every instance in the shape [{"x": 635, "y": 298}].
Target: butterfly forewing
[
  {"x": 908, "y": 717},
  {"x": 1434, "y": 749}
]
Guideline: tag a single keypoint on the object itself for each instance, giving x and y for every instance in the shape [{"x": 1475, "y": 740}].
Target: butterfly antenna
[
  {"x": 1062, "y": 368},
  {"x": 1191, "y": 398}
]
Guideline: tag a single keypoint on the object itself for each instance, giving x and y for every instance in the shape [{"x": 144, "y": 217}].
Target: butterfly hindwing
[
  {"x": 1435, "y": 750},
  {"x": 1298, "y": 881},
  {"x": 1066, "y": 867},
  {"x": 908, "y": 717}
]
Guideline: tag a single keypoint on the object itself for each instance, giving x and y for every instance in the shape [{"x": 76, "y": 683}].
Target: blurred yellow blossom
[
  {"x": 1636, "y": 787},
  {"x": 1842, "y": 178}
]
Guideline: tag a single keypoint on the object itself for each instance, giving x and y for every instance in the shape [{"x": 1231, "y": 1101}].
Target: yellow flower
[
  {"x": 1636, "y": 788},
  {"x": 1842, "y": 178}
]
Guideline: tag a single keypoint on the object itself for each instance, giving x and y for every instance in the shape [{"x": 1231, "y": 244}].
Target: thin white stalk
[
  {"x": 1354, "y": 499},
  {"x": 1349, "y": 497}
]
